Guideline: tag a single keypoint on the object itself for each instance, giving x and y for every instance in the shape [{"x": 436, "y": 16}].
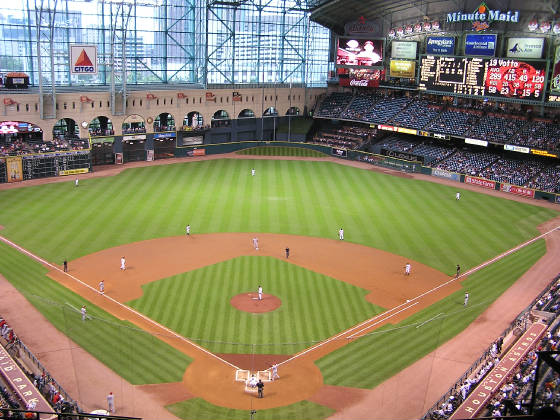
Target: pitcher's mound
[{"x": 249, "y": 302}]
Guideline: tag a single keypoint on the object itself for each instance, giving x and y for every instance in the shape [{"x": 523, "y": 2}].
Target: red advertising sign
[
  {"x": 481, "y": 182},
  {"x": 199, "y": 152},
  {"x": 360, "y": 77},
  {"x": 514, "y": 189}
]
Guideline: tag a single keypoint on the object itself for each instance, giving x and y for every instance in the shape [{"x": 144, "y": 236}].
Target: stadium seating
[
  {"x": 454, "y": 122},
  {"x": 468, "y": 162},
  {"x": 333, "y": 105},
  {"x": 495, "y": 128},
  {"x": 418, "y": 113}
]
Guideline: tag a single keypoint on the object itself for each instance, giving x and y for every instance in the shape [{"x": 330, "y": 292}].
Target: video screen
[{"x": 359, "y": 52}]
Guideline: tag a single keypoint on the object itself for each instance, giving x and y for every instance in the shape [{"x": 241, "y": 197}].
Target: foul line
[
  {"x": 430, "y": 320},
  {"x": 322, "y": 343},
  {"x": 453, "y": 279},
  {"x": 145, "y": 318}
]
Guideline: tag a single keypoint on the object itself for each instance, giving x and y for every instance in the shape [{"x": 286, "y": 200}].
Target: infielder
[
  {"x": 458, "y": 271},
  {"x": 253, "y": 172},
  {"x": 123, "y": 264},
  {"x": 84, "y": 312},
  {"x": 466, "y": 299},
  {"x": 102, "y": 287},
  {"x": 341, "y": 234},
  {"x": 407, "y": 268},
  {"x": 260, "y": 292},
  {"x": 256, "y": 243},
  {"x": 188, "y": 230}
]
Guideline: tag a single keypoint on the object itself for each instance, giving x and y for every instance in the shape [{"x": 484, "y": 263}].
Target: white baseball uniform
[
  {"x": 260, "y": 292},
  {"x": 341, "y": 234},
  {"x": 407, "y": 269},
  {"x": 123, "y": 264}
]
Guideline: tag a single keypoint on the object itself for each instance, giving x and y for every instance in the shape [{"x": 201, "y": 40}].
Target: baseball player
[
  {"x": 407, "y": 268},
  {"x": 123, "y": 264},
  {"x": 84, "y": 312},
  {"x": 111, "y": 403},
  {"x": 341, "y": 234},
  {"x": 457, "y": 196},
  {"x": 458, "y": 271},
  {"x": 256, "y": 243},
  {"x": 260, "y": 292},
  {"x": 466, "y": 299},
  {"x": 65, "y": 264},
  {"x": 102, "y": 287},
  {"x": 76, "y": 182},
  {"x": 287, "y": 252},
  {"x": 275, "y": 372},
  {"x": 188, "y": 230},
  {"x": 253, "y": 172}
]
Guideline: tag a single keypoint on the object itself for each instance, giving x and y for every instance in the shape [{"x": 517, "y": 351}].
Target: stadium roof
[{"x": 334, "y": 14}]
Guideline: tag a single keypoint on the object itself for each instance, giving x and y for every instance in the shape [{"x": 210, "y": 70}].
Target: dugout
[
  {"x": 134, "y": 148},
  {"x": 102, "y": 151},
  {"x": 165, "y": 145}
]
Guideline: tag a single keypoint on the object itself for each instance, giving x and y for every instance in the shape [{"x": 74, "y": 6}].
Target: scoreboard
[
  {"x": 476, "y": 76},
  {"x": 54, "y": 164}
]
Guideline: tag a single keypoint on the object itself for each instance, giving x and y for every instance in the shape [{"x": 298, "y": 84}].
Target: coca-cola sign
[{"x": 361, "y": 78}]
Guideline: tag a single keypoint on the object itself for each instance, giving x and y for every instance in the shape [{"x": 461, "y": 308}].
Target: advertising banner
[
  {"x": 440, "y": 45},
  {"x": 74, "y": 171},
  {"x": 525, "y": 47},
  {"x": 196, "y": 152},
  {"x": 189, "y": 141},
  {"x": 441, "y": 173},
  {"x": 480, "y": 44},
  {"x": 514, "y": 189},
  {"x": 555, "y": 82},
  {"x": 407, "y": 131},
  {"x": 404, "y": 49},
  {"x": 477, "y": 142},
  {"x": 335, "y": 151},
  {"x": 102, "y": 139},
  {"x": 83, "y": 59},
  {"x": 164, "y": 136},
  {"x": 403, "y": 68},
  {"x": 481, "y": 182},
  {"x": 134, "y": 137},
  {"x": 519, "y": 149},
  {"x": 14, "y": 168},
  {"x": 359, "y": 52},
  {"x": 236, "y": 97},
  {"x": 150, "y": 155},
  {"x": 360, "y": 77}
]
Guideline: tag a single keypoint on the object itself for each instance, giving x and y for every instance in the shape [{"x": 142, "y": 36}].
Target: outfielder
[
  {"x": 466, "y": 299},
  {"x": 84, "y": 312},
  {"x": 188, "y": 230},
  {"x": 341, "y": 234},
  {"x": 253, "y": 172},
  {"x": 457, "y": 196}
]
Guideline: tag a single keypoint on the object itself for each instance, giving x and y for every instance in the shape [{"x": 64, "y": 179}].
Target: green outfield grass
[
  {"x": 419, "y": 220},
  {"x": 281, "y": 151},
  {"x": 314, "y": 307},
  {"x": 416, "y": 219},
  {"x": 198, "y": 409},
  {"x": 394, "y": 347},
  {"x": 132, "y": 353}
]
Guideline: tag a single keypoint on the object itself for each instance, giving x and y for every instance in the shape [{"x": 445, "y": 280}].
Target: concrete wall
[{"x": 26, "y": 107}]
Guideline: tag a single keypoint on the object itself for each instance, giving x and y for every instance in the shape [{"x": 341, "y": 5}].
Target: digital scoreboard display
[{"x": 476, "y": 76}]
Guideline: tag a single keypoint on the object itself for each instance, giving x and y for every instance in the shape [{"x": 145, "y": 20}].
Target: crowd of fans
[
  {"x": 501, "y": 124},
  {"x": 20, "y": 147},
  {"x": 349, "y": 137},
  {"x": 99, "y": 132},
  {"x": 134, "y": 130}
]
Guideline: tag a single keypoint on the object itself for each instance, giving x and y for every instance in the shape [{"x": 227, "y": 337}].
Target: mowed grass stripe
[
  {"x": 301, "y": 313},
  {"x": 409, "y": 344},
  {"x": 197, "y": 408}
]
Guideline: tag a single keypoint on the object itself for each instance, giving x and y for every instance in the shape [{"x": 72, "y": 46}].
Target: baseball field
[{"x": 346, "y": 315}]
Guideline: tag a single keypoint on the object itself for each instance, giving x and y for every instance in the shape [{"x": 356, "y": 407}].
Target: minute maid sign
[{"x": 482, "y": 16}]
